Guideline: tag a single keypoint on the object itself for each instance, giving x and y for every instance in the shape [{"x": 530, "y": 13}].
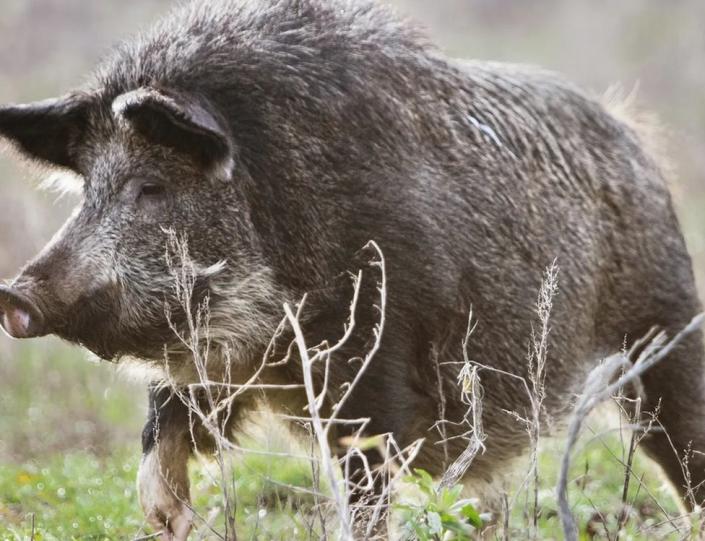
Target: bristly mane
[{"x": 288, "y": 37}]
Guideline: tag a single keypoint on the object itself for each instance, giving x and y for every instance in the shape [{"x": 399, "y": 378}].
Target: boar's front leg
[{"x": 162, "y": 481}]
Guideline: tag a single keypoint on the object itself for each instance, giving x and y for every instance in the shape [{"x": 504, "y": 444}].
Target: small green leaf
[
  {"x": 424, "y": 475},
  {"x": 470, "y": 513}
]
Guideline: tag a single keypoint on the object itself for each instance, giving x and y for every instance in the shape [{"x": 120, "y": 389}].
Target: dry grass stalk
[
  {"x": 471, "y": 392},
  {"x": 315, "y": 400},
  {"x": 537, "y": 376}
]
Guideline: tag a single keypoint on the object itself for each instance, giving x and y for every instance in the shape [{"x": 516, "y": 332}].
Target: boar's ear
[
  {"x": 177, "y": 121},
  {"x": 47, "y": 131}
]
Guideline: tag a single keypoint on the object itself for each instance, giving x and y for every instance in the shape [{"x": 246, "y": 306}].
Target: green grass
[
  {"x": 69, "y": 453},
  {"x": 597, "y": 481},
  {"x": 81, "y": 496},
  {"x": 77, "y": 496}
]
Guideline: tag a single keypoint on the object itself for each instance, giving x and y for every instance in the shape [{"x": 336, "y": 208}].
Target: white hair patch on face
[
  {"x": 209, "y": 272},
  {"x": 248, "y": 310},
  {"x": 222, "y": 170},
  {"x": 63, "y": 183},
  {"x": 242, "y": 320}
]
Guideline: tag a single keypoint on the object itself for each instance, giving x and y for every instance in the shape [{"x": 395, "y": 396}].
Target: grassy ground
[
  {"x": 69, "y": 472},
  {"x": 82, "y": 496}
]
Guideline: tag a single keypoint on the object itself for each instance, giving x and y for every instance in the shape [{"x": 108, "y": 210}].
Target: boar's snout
[{"x": 20, "y": 316}]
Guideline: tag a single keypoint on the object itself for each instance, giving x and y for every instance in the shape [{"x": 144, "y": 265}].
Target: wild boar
[{"x": 280, "y": 136}]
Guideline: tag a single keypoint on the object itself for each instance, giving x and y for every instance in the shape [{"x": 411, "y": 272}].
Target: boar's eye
[
  {"x": 149, "y": 197},
  {"x": 151, "y": 190},
  {"x": 152, "y": 198}
]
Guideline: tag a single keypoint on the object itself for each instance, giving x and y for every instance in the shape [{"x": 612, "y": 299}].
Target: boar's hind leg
[
  {"x": 676, "y": 388},
  {"x": 168, "y": 441}
]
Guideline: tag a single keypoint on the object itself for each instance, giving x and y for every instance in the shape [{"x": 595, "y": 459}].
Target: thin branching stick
[{"x": 315, "y": 400}]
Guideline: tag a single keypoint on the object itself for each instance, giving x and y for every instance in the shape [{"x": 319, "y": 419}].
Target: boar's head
[{"x": 151, "y": 161}]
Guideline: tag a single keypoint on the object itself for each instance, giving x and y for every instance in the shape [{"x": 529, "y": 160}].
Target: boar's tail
[{"x": 624, "y": 107}]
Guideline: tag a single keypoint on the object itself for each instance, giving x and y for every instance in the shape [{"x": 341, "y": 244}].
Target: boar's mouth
[{"x": 20, "y": 317}]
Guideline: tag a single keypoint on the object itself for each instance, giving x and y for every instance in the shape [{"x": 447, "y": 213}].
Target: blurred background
[{"x": 54, "y": 401}]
